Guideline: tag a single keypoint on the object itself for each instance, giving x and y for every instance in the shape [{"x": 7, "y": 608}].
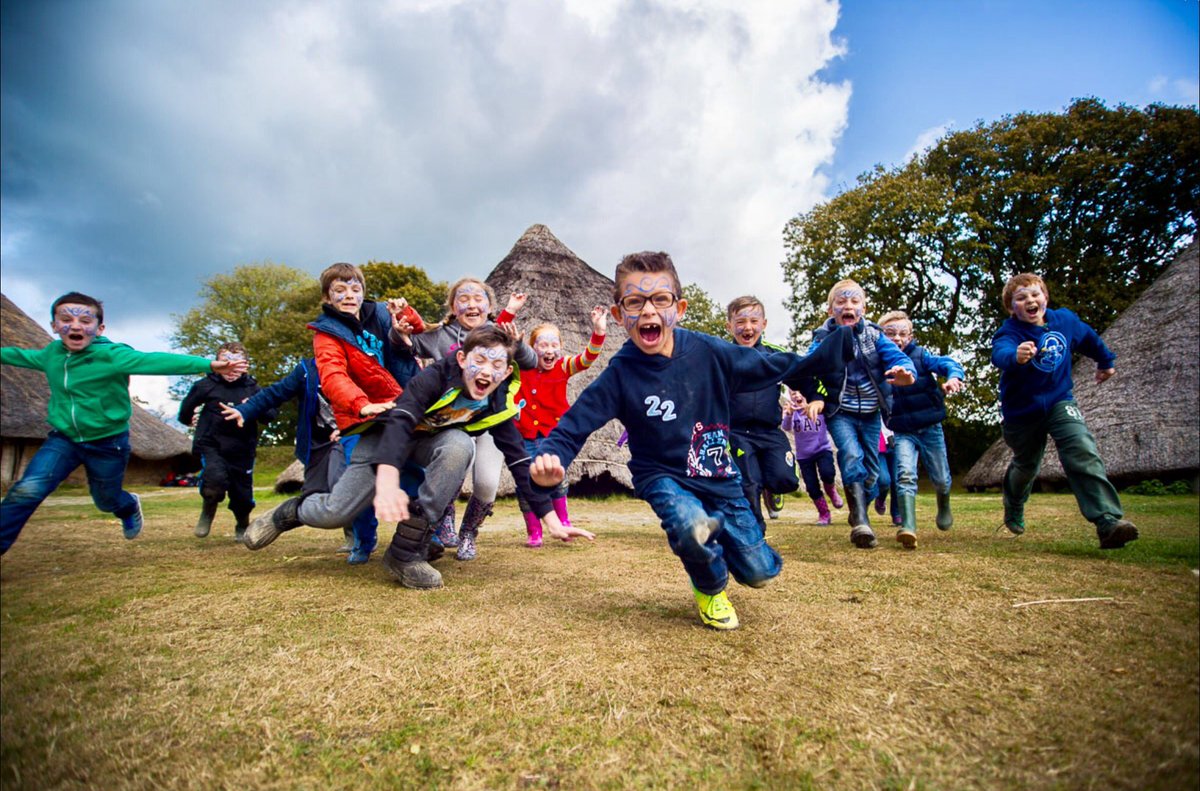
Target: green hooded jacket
[{"x": 89, "y": 390}]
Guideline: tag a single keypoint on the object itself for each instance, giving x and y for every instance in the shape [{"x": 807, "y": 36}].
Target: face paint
[
  {"x": 1029, "y": 304},
  {"x": 346, "y": 295},
  {"x": 848, "y": 306},
  {"x": 649, "y": 325},
  {"x": 77, "y": 325},
  {"x": 747, "y": 325}
]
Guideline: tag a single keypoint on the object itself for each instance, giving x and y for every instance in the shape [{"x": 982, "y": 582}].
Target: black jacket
[{"x": 214, "y": 432}]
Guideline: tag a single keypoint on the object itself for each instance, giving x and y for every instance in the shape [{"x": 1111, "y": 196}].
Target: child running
[
  {"x": 226, "y": 450},
  {"x": 814, "y": 455},
  {"x": 88, "y": 412},
  {"x": 544, "y": 395},
  {"x": 672, "y": 389},
  {"x": 434, "y": 422},
  {"x": 917, "y": 415},
  {"x": 469, "y": 305},
  {"x": 1033, "y": 349}
]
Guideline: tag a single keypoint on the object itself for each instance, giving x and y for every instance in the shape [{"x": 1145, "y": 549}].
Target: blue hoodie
[
  {"x": 677, "y": 409},
  {"x": 1030, "y": 391}
]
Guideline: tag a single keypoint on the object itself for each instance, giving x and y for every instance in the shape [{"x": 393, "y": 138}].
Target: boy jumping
[{"x": 88, "y": 413}]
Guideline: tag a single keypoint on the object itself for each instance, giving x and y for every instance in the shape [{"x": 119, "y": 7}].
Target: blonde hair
[
  {"x": 845, "y": 285},
  {"x": 895, "y": 315},
  {"x": 491, "y": 295}
]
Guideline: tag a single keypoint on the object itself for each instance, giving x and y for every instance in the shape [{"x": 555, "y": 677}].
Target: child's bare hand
[
  {"x": 599, "y": 320},
  {"x": 1026, "y": 352},
  {"x": 566, "y": 534},
  {"x": 516, "y": 301},
  {"x": 899, "y": 375},
  {"x": 1104, "y": 374},
  {"x": 813, "y": 409},
  {"x": 547, "y": 470},
  {"x": 395, "y": 308},
  {"x": 232, "y": 414},
  {"x": 952, "y": 386},
  {"x": 238, "y": 367},
  {"x": 510, "y": 330},
  {"x": 391, "y": 503},
  {"x": 375, "y": 409}
]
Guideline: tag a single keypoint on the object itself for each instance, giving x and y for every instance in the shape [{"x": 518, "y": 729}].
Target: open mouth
[
  {"x": 650, "y": 333},
  {"x": 848, "y": 317},
  {"x": 76, "y": 337},
  {"x": 480, "y": 384},
  {"x": 548, "y": 360},
  {"x": 748, "y": 335}
]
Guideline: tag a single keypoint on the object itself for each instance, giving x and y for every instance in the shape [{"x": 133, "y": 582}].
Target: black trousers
[{"x": 766, "y": 461}]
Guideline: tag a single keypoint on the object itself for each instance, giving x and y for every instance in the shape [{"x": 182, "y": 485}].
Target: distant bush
[{"x": 1156, "y": 487}]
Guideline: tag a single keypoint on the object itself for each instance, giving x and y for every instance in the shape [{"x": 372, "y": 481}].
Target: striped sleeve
[{"x": 581, "y": 362}]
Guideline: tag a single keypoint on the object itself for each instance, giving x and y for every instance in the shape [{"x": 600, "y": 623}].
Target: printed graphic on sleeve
[
  {"x": 1052, "y": 351},
  {"x": 709, "y": 456}
]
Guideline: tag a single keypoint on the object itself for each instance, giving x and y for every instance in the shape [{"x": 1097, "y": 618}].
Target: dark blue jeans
[
  {"x": 738, "y": 547},
  {"x": 104, "y": 460}
]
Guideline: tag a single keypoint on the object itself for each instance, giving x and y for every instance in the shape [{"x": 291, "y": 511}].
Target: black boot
[
  {"x": 269, "y": 526},
  {"x": 208, "y": 512},
  {"x": 861, "y": 534},
  {"x": 405, "y": 556},
  {"x": 241, "y": 517},
  {"x": 945, "y": 520}
]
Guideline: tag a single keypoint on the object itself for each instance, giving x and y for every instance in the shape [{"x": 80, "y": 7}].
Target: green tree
[
  {"x": 703, "y": 313},
  {"x": 1096, "y": 200},
  {"x": 386, "y": 280}
]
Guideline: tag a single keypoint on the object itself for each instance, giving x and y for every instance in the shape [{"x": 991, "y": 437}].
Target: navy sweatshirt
[
  {"x": 1029, "y": 391},
  {"x": 677, "y": 409},
  {"x": 758, "y": 410}
]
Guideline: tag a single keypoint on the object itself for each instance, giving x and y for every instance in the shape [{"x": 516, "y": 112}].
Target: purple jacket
[{"x": 811, "y": 437}]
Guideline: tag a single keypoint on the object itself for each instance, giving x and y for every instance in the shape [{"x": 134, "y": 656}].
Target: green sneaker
[{"x": 716, "y": 612}]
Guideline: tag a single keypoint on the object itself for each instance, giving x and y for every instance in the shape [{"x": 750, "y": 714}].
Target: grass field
[{"x": 171, "y": 662}]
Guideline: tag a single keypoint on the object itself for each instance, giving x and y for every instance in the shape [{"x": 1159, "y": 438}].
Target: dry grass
[{"x": 174, "y": 663}]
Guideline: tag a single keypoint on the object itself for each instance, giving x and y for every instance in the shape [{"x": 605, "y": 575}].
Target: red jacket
[
  {"x": 351, "y": 379},
  {"x": 545, "y": 392}
]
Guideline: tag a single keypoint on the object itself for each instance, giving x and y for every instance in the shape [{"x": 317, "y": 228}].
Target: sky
[{"x": 146, "y": 145}]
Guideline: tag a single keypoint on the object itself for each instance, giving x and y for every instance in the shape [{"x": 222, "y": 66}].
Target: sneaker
[
  {"x": 417, "y": 574},
  {"x": 716, "y": 612},
  {"x": 131, "y": 525},
  {"x": 358, "y": 555},
  {"x": 1119, "y": 534},
  {"x": 907, "y": 539},
  {"x": 466, "y": 546},
  {"x": 1015, "y": 526},
  {"x": 774, "y": 503}
]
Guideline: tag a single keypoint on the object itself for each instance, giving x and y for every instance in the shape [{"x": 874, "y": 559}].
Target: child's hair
[
  {"x": 539, "y": 329},
  {"x": 741, "y": 303},
  {"x": 341, "y": 271},
  {"x": 895, "y": 315},
  {"x": 650, "y": 263},
  {"x": 1023, "y": 280},
  {"x": 75, "y": 298},
  {"x": 845, "y": 285},
  {"x": 488, "y": 335},
  {"x": 491, "y": 295},
  {"x": 233, "y": 347}
]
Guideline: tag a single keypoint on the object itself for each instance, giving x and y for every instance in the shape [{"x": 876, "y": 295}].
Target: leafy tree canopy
[
  {"x": 703, "y": 313},
  {"x": 386, "y": 280},
  {"x": 1095, "y": 200}
]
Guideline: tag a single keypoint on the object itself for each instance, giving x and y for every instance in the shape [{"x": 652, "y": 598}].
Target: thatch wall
[
  {"x": 562, "y": 289},
  {"x": 1145, "y": 417},
  {"x": 24, "y": 397}
]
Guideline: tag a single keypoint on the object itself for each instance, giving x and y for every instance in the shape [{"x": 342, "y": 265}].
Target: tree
[
  {"x": 386, "y": 280},
  {"x": 703, "y": 313},
  {"x": 1097, "y": 201}
]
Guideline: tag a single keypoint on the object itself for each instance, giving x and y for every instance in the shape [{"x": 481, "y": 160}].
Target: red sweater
[{"x": 545, "y": 392}]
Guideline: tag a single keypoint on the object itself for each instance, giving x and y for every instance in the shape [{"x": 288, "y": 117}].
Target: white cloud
[
  {"x": 1179, "y": 90},
  {"x": 926, "y": 139}
]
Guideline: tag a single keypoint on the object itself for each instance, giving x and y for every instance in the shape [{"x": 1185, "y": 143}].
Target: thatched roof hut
[
  {"x": 562, "y": 289},
  {"x": 24, "y": 396},
  {"x": 1145, "y": 418}
]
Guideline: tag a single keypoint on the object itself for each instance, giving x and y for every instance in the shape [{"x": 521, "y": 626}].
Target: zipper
[{"x": 70, "y": 395}]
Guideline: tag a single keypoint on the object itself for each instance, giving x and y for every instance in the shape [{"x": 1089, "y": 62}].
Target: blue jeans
[
  {"x": 929, "y": 444},
  {"x": 857, "y": 439},
  {"x": 737, "y": 547},
  {"x": 104, "y": 460}
]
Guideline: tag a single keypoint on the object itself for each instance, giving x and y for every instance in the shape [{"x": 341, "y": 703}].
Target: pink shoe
[
  {"x": 822, "y": 511},
  {"x": 533, "y": 526},
  {"x": 834, "y": 498}
]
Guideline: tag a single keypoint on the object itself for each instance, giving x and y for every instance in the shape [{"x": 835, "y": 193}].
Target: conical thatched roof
[
  {"x": 1145, "y": 418},
  {"x": 563, "y": 289},
  {"x": 24, "y": 396}
]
